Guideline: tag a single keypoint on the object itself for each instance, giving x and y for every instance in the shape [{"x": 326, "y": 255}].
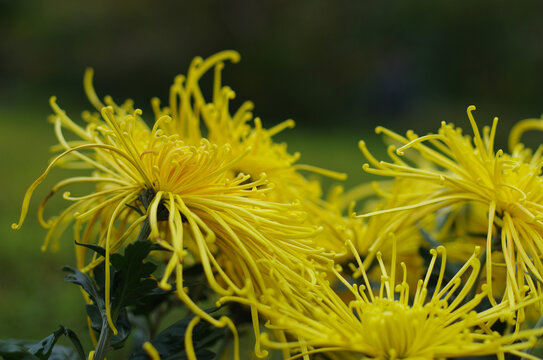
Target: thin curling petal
[
  {"x": 189, "y": 347},
  {"x": 38, "y": 181},
  {"x": 520, "y": 128},
  {"x": 450, "y": 174},
  {"x": 151, "y": 351}
]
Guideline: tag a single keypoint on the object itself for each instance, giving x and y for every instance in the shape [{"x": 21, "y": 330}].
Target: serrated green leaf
[{"x": 131, "y": 279}]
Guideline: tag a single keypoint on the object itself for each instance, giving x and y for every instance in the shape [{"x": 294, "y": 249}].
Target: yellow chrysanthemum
[
  {"x": 221, "y": 127},
  {"x": 365, "y": 234},
  {"x": 196, "y": 205},
  {"x": 437, "y": 322},
  {"x": 459, "y": 170},
  {"x": 212, "y": 118}
]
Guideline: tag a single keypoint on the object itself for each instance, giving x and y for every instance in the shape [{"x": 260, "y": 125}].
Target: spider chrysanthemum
[
  {"x": 187, "y": 188},
  {"x": 439, "y": 321},
  {"x": 212, "y": 117},
  {"x": 456, "y": 170}
]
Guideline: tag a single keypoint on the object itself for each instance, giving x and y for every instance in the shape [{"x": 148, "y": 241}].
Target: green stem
[
  {"x": 103, "y": 342},
  {"x": 145, "y": 230}
]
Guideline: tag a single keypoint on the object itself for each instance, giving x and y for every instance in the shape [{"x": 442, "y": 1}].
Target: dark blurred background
[
  {"x": 339, "y": 68},
  {"x": 324, "y": 63}
]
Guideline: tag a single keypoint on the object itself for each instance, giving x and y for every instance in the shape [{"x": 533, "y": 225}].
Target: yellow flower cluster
[
  {"x": 451, "y": 172},
  {"x": 212, "y": 187},
  {"x": 387, "y": 323}
]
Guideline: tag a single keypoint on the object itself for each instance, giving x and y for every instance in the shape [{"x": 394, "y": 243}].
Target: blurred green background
[{"x": 339, "y": 68}]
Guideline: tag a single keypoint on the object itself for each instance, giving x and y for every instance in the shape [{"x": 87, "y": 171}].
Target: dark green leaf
[
  {"x": 170, "y": 343},
  {"x": 63, "y": 353},
  {"x": 95, "y": 315},
  {"x": 194, "y": 278},
  {"x": 99, "y": 276},
  {"x": 135, "y": 207},
  {"x": 132, "y": 280},
  {"x": 13, "y": 349},
  {"x": 76, "y": 343},
  {"x": 151, "y": 301},
  {"x": 77, "y": 277},
  {"x": 201, "y": 354},
  {"x": 97, "y": 249},
  {"x": 157, "y": 247},
  {"x": 123, "y": 330},
  {"x": 44, "y": 349}
]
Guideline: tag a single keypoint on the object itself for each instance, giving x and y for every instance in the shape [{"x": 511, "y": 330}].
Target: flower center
[{"x": 397, "y": 330}]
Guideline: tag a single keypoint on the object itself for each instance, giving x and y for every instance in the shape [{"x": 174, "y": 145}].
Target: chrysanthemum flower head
[
  {"x": 185, "y": 187},
  {"x": 461, "y": 170},
  {"x": 369, "y": 233},
  {"x": 439, "y": 321},
  {"x": 194, "y": 115}
]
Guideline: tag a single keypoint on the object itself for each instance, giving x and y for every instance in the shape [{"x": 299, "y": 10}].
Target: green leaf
[
  {"x": 157, "y": 247},
  {"x": 151, "y": 301},
  {"x": 63, "y": 353},
  {"x": 132, "y": 278},
  {"x": 77, "y": 277},
  {"x": 75, "y": 341},
  {"x": 97, "y": 249},
  {"x": 194, "y": 278},
  {"x": 131, "y": 283},
  {"x": 201, "y": 354},
  {"x": 123, "y": 330},
  {"x": 170, "y": 343},
  {"x": 131, "y": 286},
  {"x": 14, "y": 349},
  {"x": 95, "y": 315},
  {"x": 44, "y": 349}
]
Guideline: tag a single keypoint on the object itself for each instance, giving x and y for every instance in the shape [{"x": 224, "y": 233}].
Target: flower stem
[
  {"x": 103, "y": 342},
  {"x": 145, "y": 230}
]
